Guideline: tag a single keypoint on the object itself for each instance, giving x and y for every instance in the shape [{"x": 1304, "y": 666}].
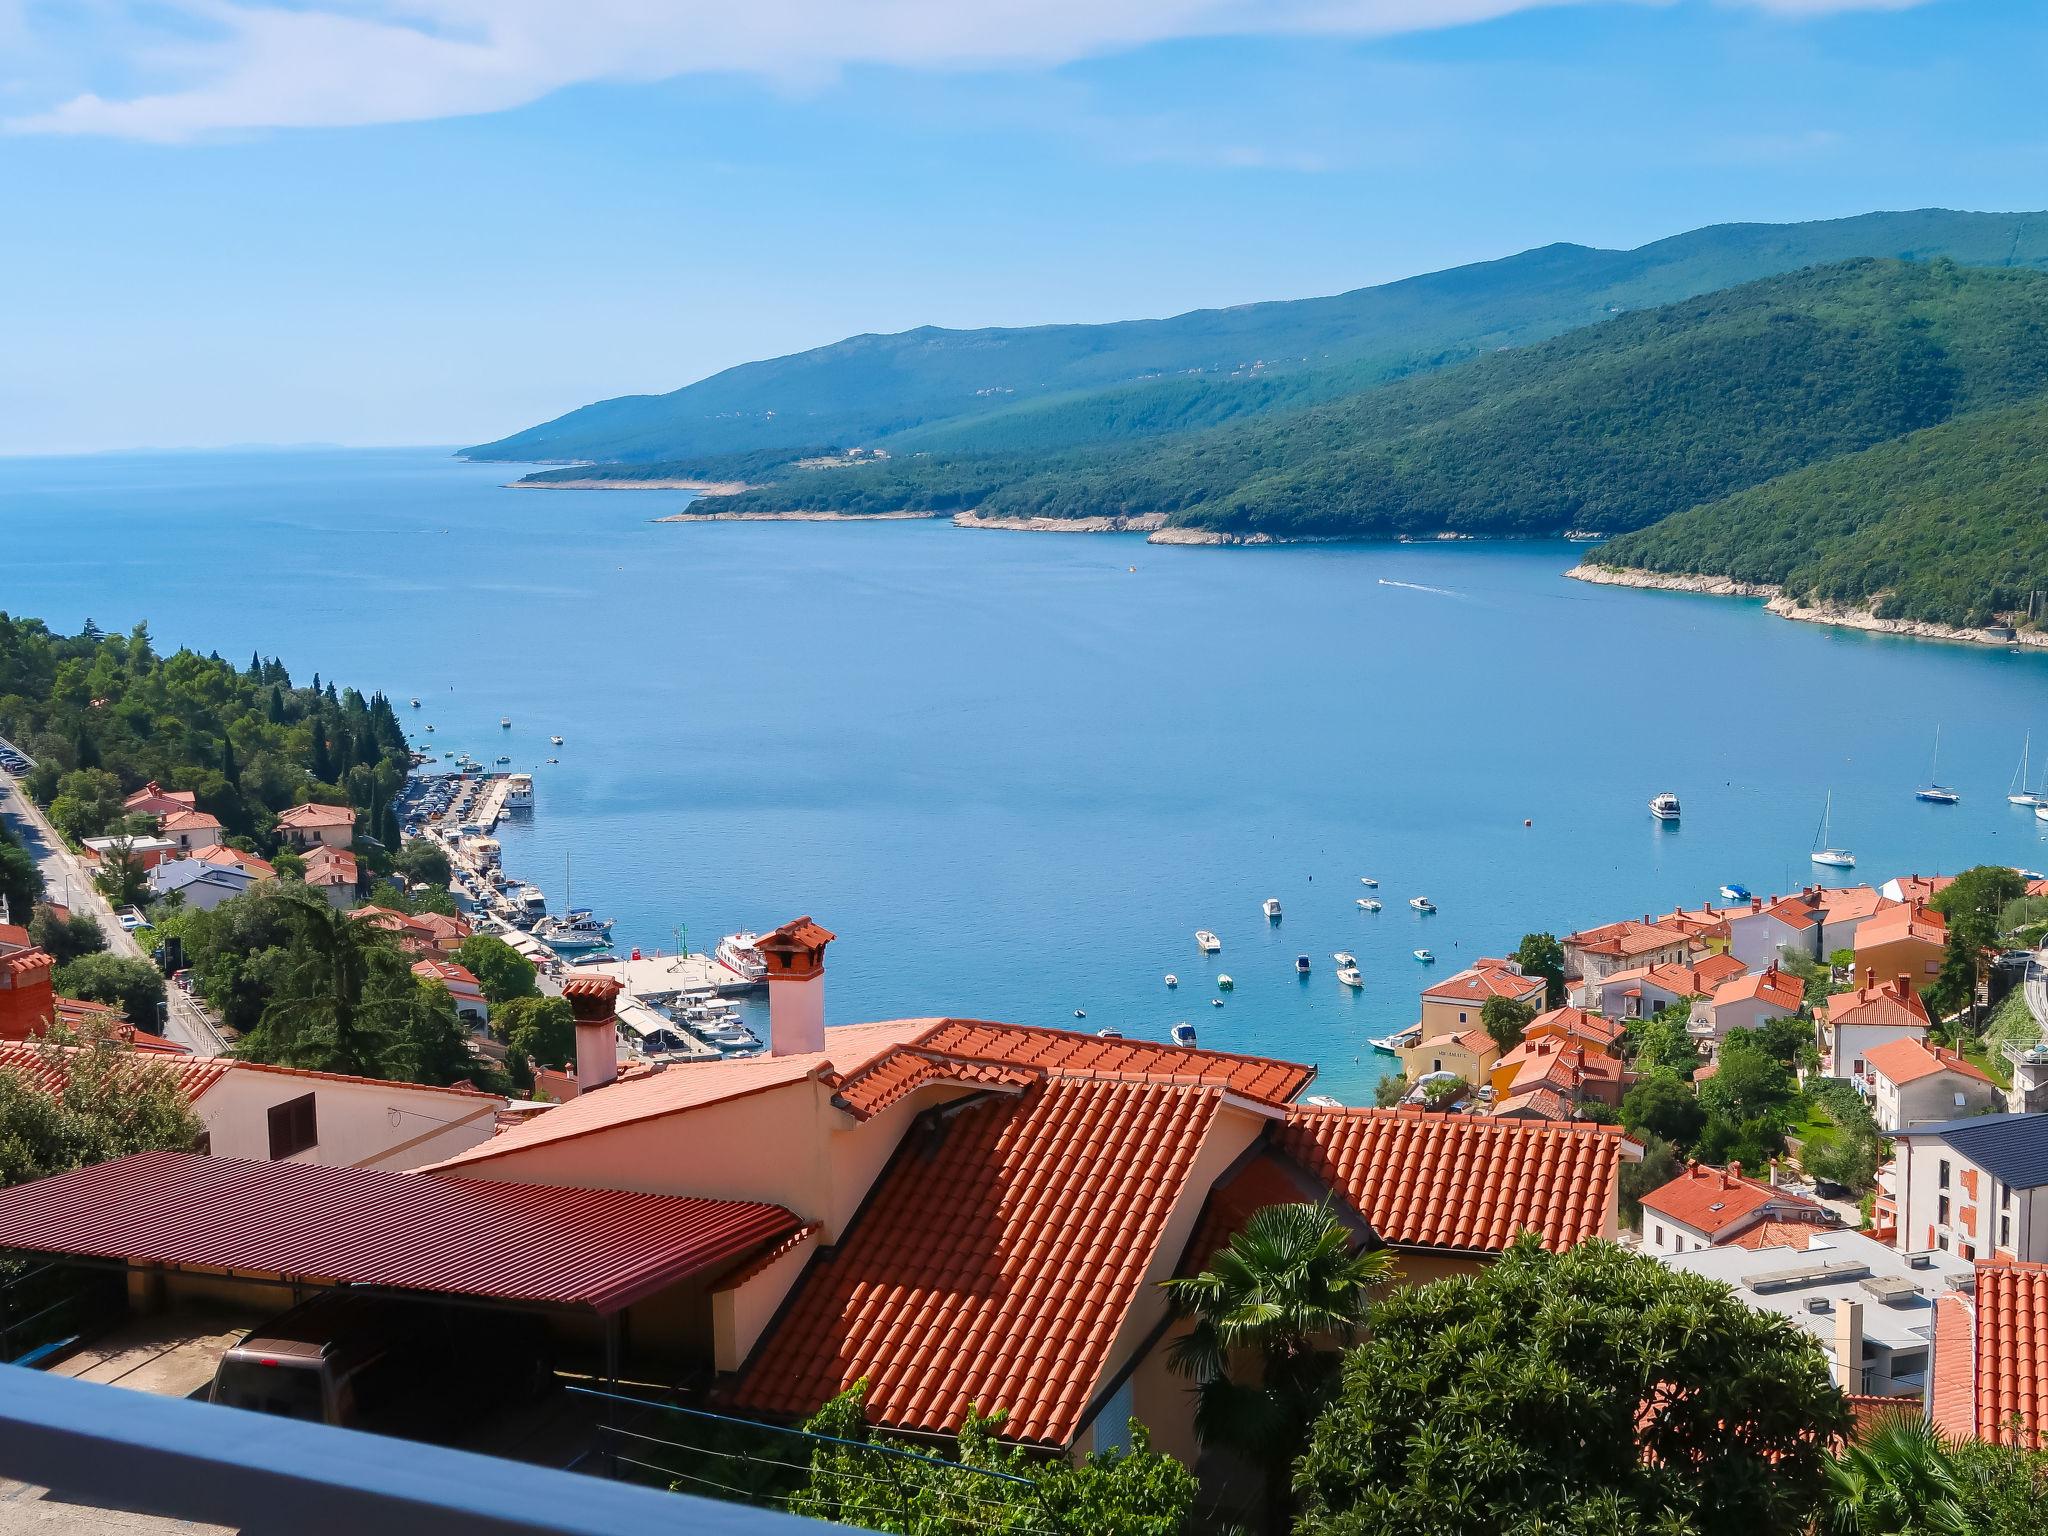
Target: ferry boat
[
  {"x": 1350, "y": 976},
  {"x": 737, "y": 953},
  {"x": 1934, "y": 792},
  {"x": 1172, "y": 980},
  {"x": 1368, "y": 904},
  {"x": 1425, "y": 957},
  {"x": 1301, "y": 965},
  {"x": 1733, "y": 892},
  {"x": 1184, "y": 1034},
  {"x": 1825, "y": 853},
  {"x": 1664, "y": 806},
  {"x": 1271, "y": 907},
  {"x": 1422, "y": 903},
  {"x": 1207, "y": 942}
]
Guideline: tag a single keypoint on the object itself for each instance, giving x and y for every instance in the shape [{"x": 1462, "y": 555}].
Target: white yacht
[
  {"x": 1425, "y": 957},
  {"x": 1369, "y": 904},
  {"x": 1350, "y": 976},
  {"x": 1207, "y": 942},
  {"x": 1322, "y": 1101},
  {"x": 738, "y": 954},
  {"x": 532, "y": 903},
  {"x": 1172, "y": 980},
  {"x": 577, "y": 929},
  {"x": 1664, "y": 806},
  {"x": 1184, "y": 1034},
  {"x": 2017, "y": 792},
  {"x": 2041, "y": 811},
  {"x": 1824, "y": 852},
  {"x": 1345, "y": 957},
  {"x": 1422, "y": 903},
  {"x": 1399, "y": 1040},
  {"x": 1368, "y": 882},
  {"x": 1271, "y": 907},
  {"x": 1934, "y": 792}
]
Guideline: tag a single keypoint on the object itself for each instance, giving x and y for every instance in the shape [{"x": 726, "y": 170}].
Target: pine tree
[{"x": 92, "y": 632}]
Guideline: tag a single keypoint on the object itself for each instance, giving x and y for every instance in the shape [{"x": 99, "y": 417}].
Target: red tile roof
[
  {"x": 189, "y": 821},
  {"x": 899, "y": 1073},
  {"x": 222, "y": 854},
  {"x": 1908, "y": 1060},
  {"x": 994, "y": 1261},
  {"x": 1488, "y": 978},
  {"x": 448, "y": 973},
  {"x": 1256, "y": 1077},
  {"x": 1462, "y": 1182},
  {"x": 1770, "y": 986},
  {"x": 1923, "y": 887},
  {"x": 153, "y": 798},
  {"x": 1562, "y": 1064},
  {"x": 601, "y": 1249},
  {"x": 314, "y": 815},
  {"x": 1907, "y": 920},
  {"x": 1477, "y": 1041},
  {"x": 46, "y": 1067},
  {"x": 2011, "y": 1377},
  {"x": 1576, "y": 1024},
  {"x": 1626, "y": 939},
  {"x": 1536, "y": 1104},
  {"x": 1893, "y": 1002},
  {"x": 1774, "y": 1234},
  {"x": 1712, "y": 1200}
]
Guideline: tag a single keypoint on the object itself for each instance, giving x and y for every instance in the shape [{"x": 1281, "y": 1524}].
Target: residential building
[
  {"x": 154, "y": 800},
  {"x": 1550, "y": 1072},
  {"x": 1704, "y": 1207},
  {"x": 1596, "y": 953},
  {"x": 143, "y": 852},
  {"x": 1844, "y": 909},
  {"x": 1912, "y": 888},
  {"x": 28, "y": 1000},
  {"x": 1706, "y": 925},
  {"x": 306, "y": 826},
  {"x": 1589, "y": 1029},
  {"x": 334, "y": 874},
  {"x": 1643, "y": 990},
  {"x": 1760, "y": 934},
  {"x": 1869, "y": 1307},
  {"x": 415, "y": 935},
  {"x": 1454, "y": 1004},
  {"x": 1850, "y": 1024},
  {"x": 199, "y": 882},
  {"x": 1906, "y": 940},
  {"x": 1915, "y": 1082},
  {"x": 1974, "y": 1187},
  {"x": 1748, "y": 1001},
  {"x": 1469, "y": 1053},
  {"x": 222, "y": 854},
  {"x": 470, "y": 1004},
  {"x": 190, "y": 830},
  {"x": 1990, "y": 1372}
]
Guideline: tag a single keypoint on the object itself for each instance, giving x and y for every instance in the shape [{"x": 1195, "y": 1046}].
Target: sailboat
[
  {"x": 2018, "y": 793},
  {"x": 1934, "y": 792},
  {"x": 1823, "y": 853}
]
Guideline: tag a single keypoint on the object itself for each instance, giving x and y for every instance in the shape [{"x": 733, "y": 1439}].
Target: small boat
[
  {"x": 1107, "y": 1034},
  {"x": 1350, "y": 976},
  {"x": 505, "y": 722},
  {"x": 1399, "y": 1040},
  {"x": 1301, "y": 965},
  {"x": 503, "y": 758},
  {"x": 554, "y": 759},
  {"x": 1425, "y": 957},
  {"x": 1207, "y": 942},
  {"x": 1224, "y": 984},
  {"x": 1733, "y": 892},
  {"x": 1215, "y": 1002},
  {"x": 1368, "y": 904},
  {"x": 1321, "y": 1101},
  {"x": 415, "y": 703},
  {"x": 1934, "y": 792},
  {"x": 1080, "y": 1013},
  {"x": 1664, "y": 806},
  {"x": 430, "y": 727},
  {"x": 1368, "y": 882},
  {"x": 1345, "y": 957},
  {"x": 1172, "y": 980},
  {"x": 1184, "y": 1034},
  {"x": 554, "y": 741},
  {"x": 1824, "y": 852},
  {"x": 1422, "y": 903},
  {"x": 2017, "y": 792},
  {"x": 1271, "y": 907}
]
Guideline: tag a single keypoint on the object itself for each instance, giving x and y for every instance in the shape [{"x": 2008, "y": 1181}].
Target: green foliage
[
  {"x": 1662, "y": 1162},
  {"x": 1593, "y": 1391},
  {"x": 1504, "y": 1019},
  {"x": 1443, "y": 1092},
  {"x": 21, "y": 883},
  {"x": 1661, "y": 1041},
  {"x": 1750, "y": 1082},
  {"x": 1972, "y": 903},
  {"x": 1663, "y": 1105},
  {"x": 422, "y": 862},
  {"x": 65, "y": 939},
  {"x": 2004, "y": 1486},
  {"x": 1267, "y": 1310},
  {"x": 88, "y": 803},
  {"x": 1116, "y": 1493},
  {"x": 1541, "y": 954},
  {"x": 133, "y": 986},
  {"x": 499, "y": 969},
  {"x": 1390, "y": 1090},
  {"x": 1898, "y": 1479},
  {"x": 540, "y": 1029},
  {"x": 112, "y": 1102}
]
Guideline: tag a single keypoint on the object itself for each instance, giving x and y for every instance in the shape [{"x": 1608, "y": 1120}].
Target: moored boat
[
  {"x": 1207, "y": 942},
  {"x": 1422, "y": 903},
  {"x": 1224, "y": 983},
  {"x": 738, "y": 954},
  {"x": 1184, "y": 1034},
  {"x": 1733, "y": 892},
  {"x": 1172, "y": 980},
  {"x": 1368, "y": 904},
  {"x": 1934, "y": 792},
  {"x": 1824, "y": 852},
  {"x": 1664, "y": 806},
  {"x": 1350, "y": 975},
  {"x": 1271, "y": 907},
  {"x": 1368, "y": 882},
  {"x": 1425, "y": 957},
  {"x": 1301, "y": 965}
]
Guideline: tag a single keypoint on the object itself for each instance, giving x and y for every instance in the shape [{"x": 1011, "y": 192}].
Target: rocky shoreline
[
  {"x": 903, "y": 515},
  {"x": 1143, "y": 522},
  {"x": 1775, "y": 601},
  {"x": 701, "y": 487}
]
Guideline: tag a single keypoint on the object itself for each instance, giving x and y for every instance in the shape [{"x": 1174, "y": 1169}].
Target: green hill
[
  {"x": 1041, "y": 389},
  {"x": 1608, "y": 427},
  {"x": 1948, "y": 525}
]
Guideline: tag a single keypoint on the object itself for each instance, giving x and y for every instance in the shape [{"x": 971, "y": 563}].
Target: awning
[{"x": 530, "y": 1243}]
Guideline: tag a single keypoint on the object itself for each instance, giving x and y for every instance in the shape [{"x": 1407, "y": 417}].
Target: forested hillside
[
  {"x": 1040, "y": 389},
  {"x": 1948, "y": 525}
]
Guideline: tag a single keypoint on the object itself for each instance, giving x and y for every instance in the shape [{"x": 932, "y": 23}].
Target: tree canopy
[{"x": 111, "y": 1102}]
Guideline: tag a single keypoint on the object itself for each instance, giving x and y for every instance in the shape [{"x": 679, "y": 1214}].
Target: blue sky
[{"x": 363, "y": 221}]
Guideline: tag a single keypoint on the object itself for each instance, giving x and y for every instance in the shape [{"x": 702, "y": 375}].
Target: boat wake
[{"x": 1416, "y": 586}]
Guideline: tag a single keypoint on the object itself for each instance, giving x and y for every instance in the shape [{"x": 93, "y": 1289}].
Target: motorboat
[
  {"x": 1422, "y": 903},
  {"x": 1345, "y": 957},
  {"x": 1207, "y": 942},
  {"x": 554, "y": 741},
  {"x": 1271, "y": 907},
  {"x": 737, "y": 952},
  {"x": 554, "y": 760},
  {"x": 504, "y": 757},
  {"x": 1934, "y": 792},
  {"x": 1368, "y": 882},
  {"x": 532, "y": 902},
  {"x": 1664, "y": 806},
  {"x": 1369, "y": 904},
  {"x": 1824, "y": 852},
  {"x": 1350, "y": 976},
  {"x": 1224, "y": 983},
  {"x": 1172, "y": 980},
  {"x": 1108, "y": 1034},
  {"x": 1322, "y": 1101},
  {"x": 1399, "y": 1040},
  {"x": 1733, "y": 892},
  {"x": 1425, "y": 957},
  {"x": 415, "y": 703},
  {"x": 429, "y": 727},
  {"x": 562, "y": 934},
  {"x": 1184, "y": 1034},
  {"x": 1301, "y": 965},
  {"x": 505, "y": 722},
  {"x": 1080, "y": 1013},
  {"x": 1215, "y": 1002}
]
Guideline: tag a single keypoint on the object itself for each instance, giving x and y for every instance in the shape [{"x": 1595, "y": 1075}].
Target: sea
[{"x": 1016, "y": 772}]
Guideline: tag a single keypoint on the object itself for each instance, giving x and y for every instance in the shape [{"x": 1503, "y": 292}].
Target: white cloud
[{"x": 215, "y": 66}]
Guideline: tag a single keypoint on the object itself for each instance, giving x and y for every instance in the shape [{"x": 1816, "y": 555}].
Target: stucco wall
[{"x": 382, "y": 1125}]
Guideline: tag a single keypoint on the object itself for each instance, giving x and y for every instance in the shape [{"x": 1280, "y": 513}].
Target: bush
[
  {"x": 65, "y": 939},
  {"x": 499, "y": 969},
  {"x": 131, "y": 985}
]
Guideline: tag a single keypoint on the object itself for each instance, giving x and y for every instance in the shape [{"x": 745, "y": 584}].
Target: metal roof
[
  {"x": 2011, "y": 1148},
  {"x": 597, "y": 1248}
]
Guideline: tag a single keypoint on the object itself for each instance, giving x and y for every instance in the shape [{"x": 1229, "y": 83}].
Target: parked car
[{"x": 130, "y": 918}]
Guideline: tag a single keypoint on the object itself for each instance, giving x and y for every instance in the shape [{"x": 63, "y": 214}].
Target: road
[{"x": 66, "y": 879}]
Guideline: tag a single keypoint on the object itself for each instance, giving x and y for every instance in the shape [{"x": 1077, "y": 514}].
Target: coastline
[
  {"x": 902, "y": 515},
  {"x": 701, "y": 487},
  {"x": 1143, "y": 522},
  {"x": 1775, "y": 601}
]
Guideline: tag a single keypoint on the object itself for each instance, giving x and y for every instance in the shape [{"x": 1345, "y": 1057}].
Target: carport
[{"x": 186, "y": 1226}]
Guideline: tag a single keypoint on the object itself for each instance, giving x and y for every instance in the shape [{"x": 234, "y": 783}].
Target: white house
[
  {"x": 1643, "y": 990},
  {"x": 1594, "y": 954},
  {"x": 1748, "y": 1002},
  {"x": 201, "y": 884},
  {"x": 1976, "y": 1187},
  {"x": 1704, "y": 1206},
  {"x": 191, "y": 831},
  {"x": 1850, "y": 1024},
  {"x": 1758, "y": 933},
  {"x": 1912, "y": 1082}
]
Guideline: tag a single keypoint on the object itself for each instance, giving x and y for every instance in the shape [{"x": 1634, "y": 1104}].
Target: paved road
[{"x": 65, "y": 879}]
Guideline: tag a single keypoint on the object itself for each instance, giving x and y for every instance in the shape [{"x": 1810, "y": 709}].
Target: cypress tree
[
  {"x": 276, "y": 705},
  {"x": 322, "y": 765},
  {"x": 229, "y": 768}
]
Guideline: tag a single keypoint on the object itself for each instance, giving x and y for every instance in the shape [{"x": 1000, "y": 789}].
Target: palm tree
[
  {"x": 1281, "y": 1297},
  {"x": 1897, "y": 1480},
  {"x": 339, "y": 1002}
]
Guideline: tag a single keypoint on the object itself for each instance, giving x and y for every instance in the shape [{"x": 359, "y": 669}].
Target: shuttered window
[{"x": 293, "y": 1127}]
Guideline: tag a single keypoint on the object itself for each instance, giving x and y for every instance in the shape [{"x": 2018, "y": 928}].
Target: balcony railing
[{"x": 112, "y": 1448}]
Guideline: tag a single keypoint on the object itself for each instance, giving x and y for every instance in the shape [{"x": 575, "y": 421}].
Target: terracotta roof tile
[
  {"x": 46, "y": 1067},
  {"x": 1711, "y": 1200},
  {"x": 315, "y": 815},
  {"x": 1626, "y": 939},
  {"x": 889, "y": 1078},
  {"x": 1775, "y": 1234},
  {"x": 1778, "y": 989},
  {"x": 1907, "y": 920},
  {"x": 994, "y": 1261},
  {"x": 2012, "y": 1354},
  {"x": 1576, "y": 1023},
  {"x": 1536, "y": 1104},
  {"x": 1488, "y": 978},
  {"x": 1877, "y": 1002},
  {"x": 1909, "y": 1060},
  {"x": 1256, "y": 1077},
  {"x": 1464, "y": 1182}
]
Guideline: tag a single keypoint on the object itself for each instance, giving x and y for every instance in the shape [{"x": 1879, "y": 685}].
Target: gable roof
[
  {"x": 188, "y": 821},
  {"x": 1876, "y": 1002},
  {"x": 1536, "y": 1104},
  {"x": 1576, "y": 1024},
  {"x": 1486, "y": 978},
  {"x": 1771, "y": 986},
  {"x": 994, "y": 1261},
  {"x": 1908, "y": 1060},
  {"x": 1627, "y": 939},
  {"x": 1477, "y": 1041},
  {"x": 1775, "y": 1233},
  {"x": 1256, "y": 1077},
  {"x": 2012, "y": 1148},
  {"x": 1907, "y": 920},
  {"x": 234, "y": 858},
  {"x": 312, "y": 814},
  {"x": 1712, "y": 1200},
  {"x": 46, "y": 1067},
  {"x": 1462, "y": 1182}
]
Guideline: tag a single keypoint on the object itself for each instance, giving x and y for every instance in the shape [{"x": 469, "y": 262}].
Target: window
[
  {"x": 1461, "y": 1015},
  {"x": 2005, "y": 1197},
  {"x": 1969, "y": 1251},
  {"x": 2005, "y": 1232},
  {"x": 293, "y": 1127},
  {"x": 1941, "y": 1176},
  {"x": 1660, "y": 1234},
  {"x": 1941, "y": 1210},
  {"x": 1941, "y": 1242}
]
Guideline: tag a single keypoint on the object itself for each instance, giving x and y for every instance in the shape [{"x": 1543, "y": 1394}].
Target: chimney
[
  {"x": 1904, "y": 992},
  {"x": 795, "y": 953},
  {"x": 595, "y": 1002},
  {"x": 1756, "y": 903},
  {"x": 1732, "y": 1177},
  {"x": 1849, "y": 1346},
  {"x": 1869, "y": 977}
]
